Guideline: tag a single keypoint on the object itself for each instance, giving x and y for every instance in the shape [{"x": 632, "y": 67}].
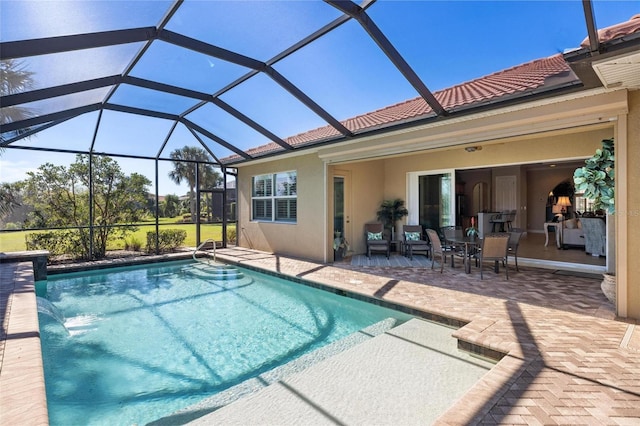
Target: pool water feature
[{"x": 139, "y": 343}]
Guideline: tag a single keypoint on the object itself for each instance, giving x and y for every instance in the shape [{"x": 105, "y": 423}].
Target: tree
[
  {"x": 14, "y": 78},
  {"x": 60, "y": 198},
  {"x": 184, "y": 168},
  {"x": 391, "y": 211},
  {"x": 171, "y": 205}
]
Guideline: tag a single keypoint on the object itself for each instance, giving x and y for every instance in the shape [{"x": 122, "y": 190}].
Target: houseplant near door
[
  {"x": 597, "y": 181},
  {"x": 390, "y": 212}
]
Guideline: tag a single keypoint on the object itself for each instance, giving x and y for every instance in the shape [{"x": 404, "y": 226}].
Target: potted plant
[
  {"x": 596, "y": 179},
  {"x": 340, "y": 246},
  {"x": 472, "y": 231},
  {"x": 390, "y": 212}
]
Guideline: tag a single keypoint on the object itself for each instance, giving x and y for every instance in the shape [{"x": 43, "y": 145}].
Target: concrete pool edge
[
  {"x": 23, "y": 398},
  {"x": 253, "y": 385}
]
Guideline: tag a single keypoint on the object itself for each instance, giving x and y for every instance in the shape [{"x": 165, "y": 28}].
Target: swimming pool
[{"x": 131, "y": 345}]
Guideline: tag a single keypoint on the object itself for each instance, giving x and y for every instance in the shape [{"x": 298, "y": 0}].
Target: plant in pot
[
  {"x": 472, "y": 231},
  {"x": 390, "y": 212},
  {"x": 340, "y": 246},
  {"x": 596, "y": 179}
]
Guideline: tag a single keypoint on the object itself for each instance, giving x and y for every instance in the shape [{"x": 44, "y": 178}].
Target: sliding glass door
[{"x": 431, "y": 199}]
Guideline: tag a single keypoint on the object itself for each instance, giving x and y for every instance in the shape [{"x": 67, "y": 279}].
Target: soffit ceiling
[{"x": 141, "y": 78}]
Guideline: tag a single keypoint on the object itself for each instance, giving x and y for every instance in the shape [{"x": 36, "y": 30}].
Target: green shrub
[
  {"x": 232, "y": 236},
  {"x": 12, "y": 226},
  {"x": 168, "y": 240},
  {"x": 68, "y": 242},
  {"x": 132, "y": 244}
]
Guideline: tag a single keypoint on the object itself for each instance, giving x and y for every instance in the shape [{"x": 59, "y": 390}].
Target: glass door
[{"x": 431, "y": 199}]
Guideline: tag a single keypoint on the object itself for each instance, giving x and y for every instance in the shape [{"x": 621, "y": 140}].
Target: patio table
[{"x": 470, "y": 248}]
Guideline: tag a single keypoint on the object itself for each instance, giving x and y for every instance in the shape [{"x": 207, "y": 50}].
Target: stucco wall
[
  {"x": 302, "y": 239},
  {"x": 366, "y": 189},
  {"x": 629, "y": 241}
]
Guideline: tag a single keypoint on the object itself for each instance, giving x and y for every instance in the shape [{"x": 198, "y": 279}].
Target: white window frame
[{"x": 273, "y": 195}]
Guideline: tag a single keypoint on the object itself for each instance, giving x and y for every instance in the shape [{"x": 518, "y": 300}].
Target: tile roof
[
  {"x": 518, "y": 79},
  {"x": 618, "y": 30},
  {"x": 539, "y": 73}
]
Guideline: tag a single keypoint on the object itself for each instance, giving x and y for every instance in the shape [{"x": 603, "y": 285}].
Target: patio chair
[
  {"x": 375, "y": 238},
  {"x": 413, "y": 240},
  {"x": 514, "y": 242},
  {"x": 495, "y": 247},
  {"x": 451, "y": 234},
  {"x": 438, "y": 249}
]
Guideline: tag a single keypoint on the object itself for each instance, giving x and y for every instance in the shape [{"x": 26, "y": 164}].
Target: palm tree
[
  {"x": 14, "y": 78},
  {"x": 184, "y": 169}
]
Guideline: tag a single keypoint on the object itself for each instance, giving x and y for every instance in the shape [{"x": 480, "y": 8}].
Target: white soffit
[{"x": 622, "y": 71}]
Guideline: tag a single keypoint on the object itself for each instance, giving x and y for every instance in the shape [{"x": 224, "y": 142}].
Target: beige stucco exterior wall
[
  {"x": 628, "y": 225},
  {"x": 366, "y": 183},
  {"x": 385, "y": 177},
  {"x": 302, "y": 239}
]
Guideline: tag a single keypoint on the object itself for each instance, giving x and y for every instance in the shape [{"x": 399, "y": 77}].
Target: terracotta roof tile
[
  {"x": 519, "y": 79},
  {"x": 619, "y": 30}
]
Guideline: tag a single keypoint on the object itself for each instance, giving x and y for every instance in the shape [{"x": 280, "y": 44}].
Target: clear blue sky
[{"x": 446, "y": 43}]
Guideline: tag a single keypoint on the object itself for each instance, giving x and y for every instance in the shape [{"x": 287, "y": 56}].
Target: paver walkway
[{"x": 569, "y": 361}]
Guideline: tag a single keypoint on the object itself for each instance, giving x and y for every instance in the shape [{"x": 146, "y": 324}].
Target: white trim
[
  {"x": 337, "y": 152},
  {"x": 325, "y": 196}
]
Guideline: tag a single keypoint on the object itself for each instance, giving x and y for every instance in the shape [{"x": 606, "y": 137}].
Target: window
[{"x": 274, "y": 197}]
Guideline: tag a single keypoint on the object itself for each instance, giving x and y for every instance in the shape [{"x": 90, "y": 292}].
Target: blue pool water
[{"x": 131, "y": 345}]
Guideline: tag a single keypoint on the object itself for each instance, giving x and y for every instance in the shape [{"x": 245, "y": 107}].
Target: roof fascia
[
  {"x": 409, "y": 124},
  {"x": 585, "y": 108},
  {"x": 352, "y": 149}
]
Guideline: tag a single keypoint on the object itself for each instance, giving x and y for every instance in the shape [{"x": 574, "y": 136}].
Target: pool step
[{"x": 214, "y": 271}]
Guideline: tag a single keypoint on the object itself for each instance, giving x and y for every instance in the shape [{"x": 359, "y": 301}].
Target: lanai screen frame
[{"x": 350, "y": 11}]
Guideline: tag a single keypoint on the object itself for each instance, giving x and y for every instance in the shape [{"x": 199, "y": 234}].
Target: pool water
[{"x": 131, "y": 345}]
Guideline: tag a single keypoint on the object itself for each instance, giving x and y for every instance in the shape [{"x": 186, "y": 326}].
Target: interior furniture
[
  {"x": 502, "y": 220},
  {"x": 452, "y": 234},
  {"x": 514, "y": 242},
  {"x": 413, "y": 240},
  {"x": 376, "y": 240},
  {"x": 484, "y": 224},
  {"x": 495, "y": 247},
  {"x": 469, "y": 247},
  {"x": 595, "y": 236},
  {"x": 437, "y": 249},
  {"x": 557, "y": 231},
  {"x": 572, "y": 232}
]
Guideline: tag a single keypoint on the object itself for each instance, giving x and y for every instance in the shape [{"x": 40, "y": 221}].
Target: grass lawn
[{"x": 15, "y": 241}]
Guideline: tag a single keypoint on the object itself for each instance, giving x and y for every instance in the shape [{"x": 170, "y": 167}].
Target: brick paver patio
[{"x": 568, "y": 359}]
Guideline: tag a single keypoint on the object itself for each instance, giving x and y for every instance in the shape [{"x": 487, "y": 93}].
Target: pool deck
[{"x": 568, "y": 359}]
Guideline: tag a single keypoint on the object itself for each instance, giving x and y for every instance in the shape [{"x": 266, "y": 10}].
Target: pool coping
[
  {"x": 23, "y": 398},
  {"x": 489, "y": 332},
  {"x": 21, "y": 364}
]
